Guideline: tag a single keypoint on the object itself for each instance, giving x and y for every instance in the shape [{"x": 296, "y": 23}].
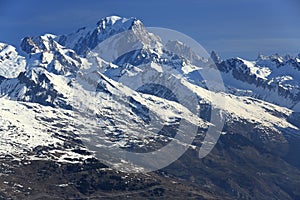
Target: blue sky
[{"x": 231, "y": 27}]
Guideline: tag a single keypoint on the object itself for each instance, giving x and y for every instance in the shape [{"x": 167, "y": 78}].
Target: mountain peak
[
  {"x": 116, "y": 24},
  {"x": 87, "y": 38},
  {"x": 110, "y": 20}
]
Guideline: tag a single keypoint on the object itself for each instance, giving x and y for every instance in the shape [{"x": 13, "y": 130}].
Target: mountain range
[{"x": 73, "y": 105}]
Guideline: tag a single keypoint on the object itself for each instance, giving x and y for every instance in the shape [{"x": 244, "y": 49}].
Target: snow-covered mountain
[
  {"x": 82, "y": 95},
  {"x": 272, "y": 78},
  {"x": 10, "y": 61},
  {"x": 88, "y": 38}
]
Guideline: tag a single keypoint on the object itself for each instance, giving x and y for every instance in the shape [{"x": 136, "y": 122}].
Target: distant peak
[
  {"x": 109, "y": 20},
  {"x": 260, "y": 56},
  {"x": 215, "y": 57},
  {"x": 265, "y": 57},
  {"x": 48, "y": 36},
  {"x": 112, "y": 20},
  {"x": 38, "y": 44}
]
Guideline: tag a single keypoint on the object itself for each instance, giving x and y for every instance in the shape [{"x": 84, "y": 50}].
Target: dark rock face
[
  {"x": 32, "y": 45},
  {"x": 159, "y": 91},
  {"x": 24, "y": 88}
]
